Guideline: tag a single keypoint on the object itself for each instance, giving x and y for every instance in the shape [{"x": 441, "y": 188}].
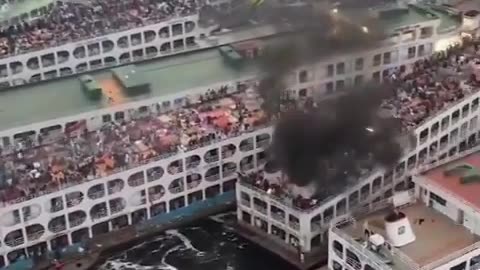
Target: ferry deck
[{"x": 442, "y": 213}]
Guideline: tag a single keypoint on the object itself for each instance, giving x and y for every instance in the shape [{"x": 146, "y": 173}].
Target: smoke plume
[{"x": 336, "y": 143}]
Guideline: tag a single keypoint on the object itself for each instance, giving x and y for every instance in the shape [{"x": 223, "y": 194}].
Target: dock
[{"x": 316, "y": 259}]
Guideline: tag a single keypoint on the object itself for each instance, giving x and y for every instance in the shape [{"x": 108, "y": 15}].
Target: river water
[{"x": 204, "y": 245}]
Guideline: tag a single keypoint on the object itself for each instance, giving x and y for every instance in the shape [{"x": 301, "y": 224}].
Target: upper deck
[
  {"x": 437, "y": 236},
  {"x": 459, "y": 178},
  {"x": 76, "y": 32},
  {"x": 33, "y": 103}
]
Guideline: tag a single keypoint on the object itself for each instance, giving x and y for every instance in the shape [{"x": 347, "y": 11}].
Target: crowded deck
[
  {"x": 43, "y": 166},
  {"x": 68, "y": 22},
  {"x": 39, "y": 165},
  {"x": 431, "y": 86}
]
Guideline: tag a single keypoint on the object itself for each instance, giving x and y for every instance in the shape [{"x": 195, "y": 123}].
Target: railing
[
  {"x": 228, "y": 171},
  {"x": 58, "y": 228},
  {"x": 246, "y": 148},
  {"x": 248, "y": 166},
  {"x": 135, "y": 182},
  {"x": 193, "y": 184},
  {"x": 116, "y": 209},
  {"x": 74, "y": 202},
  {"x": 278, "y": 217},
  {"x": 211, "y": 159},
  {"x": 263, "y": 142},
  {"x": 245, "y": 202},
  {"x": 15, "y": 242},
  {"x": 100, "y": 214},
  {"x": 193, "y": 164},
  {"x": 369, "y": 257},
  {"x": 260, "y": 209},
  {"x": 176, "y": 190},
  {"x": 156, "y": 196},
  {"x": 96, "y": 194},
  {"x": 294, "y": 225},
  {"x": 55, "y": 208},
  {"x": 212, "y": 178},
  {"x": 76, "y": 222},
  {"x": 34, "y": 236}
]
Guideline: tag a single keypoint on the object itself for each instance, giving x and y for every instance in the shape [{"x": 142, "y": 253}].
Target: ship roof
[
  {"x": 33, "y": 103},
  {"x": 464, "y": 184},
  {"x": 437, "y": 236},
  {"x": 17, "y": 8}
]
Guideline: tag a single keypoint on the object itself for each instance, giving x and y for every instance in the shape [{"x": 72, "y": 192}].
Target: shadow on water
[{"x": 207, "y": 244}]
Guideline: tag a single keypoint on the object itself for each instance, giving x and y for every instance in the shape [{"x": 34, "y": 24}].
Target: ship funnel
[{"x": 398, "y": 228}]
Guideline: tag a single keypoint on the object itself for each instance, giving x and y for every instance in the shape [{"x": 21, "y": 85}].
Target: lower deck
[
  {"x": 118, "y": 231},
  {"x": 310, "y": 260}
]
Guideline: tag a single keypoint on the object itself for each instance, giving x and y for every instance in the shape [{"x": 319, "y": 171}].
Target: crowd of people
[
  {"x": 70, "y": 21},
  {"x": 41, "y": 165},
  {"x": 433, "y": 84}
]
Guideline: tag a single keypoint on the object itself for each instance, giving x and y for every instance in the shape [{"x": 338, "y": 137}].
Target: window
[
  {"x": 340, "y": 68},
  {"x": 401, "y": 230},
  {"x": 387, "y": 58},
  {"x": 330, "y": 70},
  {"x": 358, "y": 80},
  {"x": 337, "y": 266},
  {"x": 303, "y": 76},
  {"x": 411, "y": 52},
  {"x": 475, "y": 262},
  {"x": 421, "y": 50},
  {"x": 353, "y": 260},
  {"x": 461, "y": 266},
  {"x": 329, "y": 88},
  {"x": 338, "y": 248},
  {"x": 377, "y": 59},
  {"x": 302, "y": 92},
  {"x": 376, "y": 76},
  {"x": 359, "y": 64},
  {"x": 340, "y": 85},
  {"x": 434, "y": 197}
]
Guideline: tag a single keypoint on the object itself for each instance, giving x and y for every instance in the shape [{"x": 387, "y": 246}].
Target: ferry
[
  {"x": 166, "y": 138},
  {"x": 293, "y": 223},
  {"x": 430, "y": 225},
  {"x": 30, "y": 53}
]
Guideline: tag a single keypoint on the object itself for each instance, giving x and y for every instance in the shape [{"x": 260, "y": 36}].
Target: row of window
[{"x": 386, "y": 58}]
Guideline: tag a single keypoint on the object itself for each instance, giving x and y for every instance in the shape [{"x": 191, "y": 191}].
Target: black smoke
[
  {"x": 335, "y": 142},
  {"x": 316, "y": 33},
  {"x": 338, "y": 142}
]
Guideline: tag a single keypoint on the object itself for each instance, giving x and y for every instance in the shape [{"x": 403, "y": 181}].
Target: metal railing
[
  {"x": 213, "y": 158},
  {"x": 212, "y": 178},
  {"x": 228, "y": 171},
  {"x": 35, "y": 235},
  {"x": 74, "y": 201},
  {"x": 96, "y": 194},
  {"x": 58, "y": 228},
  {"x": 76, "y": 222}
]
